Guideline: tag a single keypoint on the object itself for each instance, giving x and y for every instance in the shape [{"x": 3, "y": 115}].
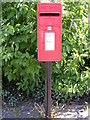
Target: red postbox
[{"x": 49, "y": 31}]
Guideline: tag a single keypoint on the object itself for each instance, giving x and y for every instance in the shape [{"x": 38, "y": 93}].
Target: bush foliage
[{"x": 70, "y": 76}]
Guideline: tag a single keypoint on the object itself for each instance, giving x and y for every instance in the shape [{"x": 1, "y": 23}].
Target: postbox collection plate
[
  {"x": 49, "y": 31},
  {"x": 49, "y": 41}
]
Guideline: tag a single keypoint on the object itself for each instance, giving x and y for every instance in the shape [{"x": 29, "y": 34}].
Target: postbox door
[{"x": 50, "y": 50}]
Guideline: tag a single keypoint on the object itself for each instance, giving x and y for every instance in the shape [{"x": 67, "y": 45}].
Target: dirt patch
[
  {"x": 72, "y": 111},
  {"x": 24, "y": 109},
  {"x": 31, "y": 109}
]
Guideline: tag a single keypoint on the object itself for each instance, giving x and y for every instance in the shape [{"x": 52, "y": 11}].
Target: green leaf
[
  {"x": 84, "y": 55},
  {"x": 66, "y": 96},
  {"x": 10, "y": 77}
]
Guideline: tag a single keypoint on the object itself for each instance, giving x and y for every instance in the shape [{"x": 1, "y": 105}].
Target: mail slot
[
  {"x": 49, "y": 31},
  {"x": 49, "y": 14}
]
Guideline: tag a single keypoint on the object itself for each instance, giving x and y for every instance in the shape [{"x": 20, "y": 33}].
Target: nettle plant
[{"x": 70, "y": 76}]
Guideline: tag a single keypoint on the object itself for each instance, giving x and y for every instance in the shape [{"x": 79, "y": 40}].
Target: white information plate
[{"x": 49, "y": 41}]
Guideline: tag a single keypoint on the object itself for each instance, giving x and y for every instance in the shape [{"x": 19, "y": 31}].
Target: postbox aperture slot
[{"x": 49, "y": 13}]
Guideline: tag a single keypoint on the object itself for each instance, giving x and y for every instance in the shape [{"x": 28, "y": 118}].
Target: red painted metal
[{"x": 49, "y": 20}]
